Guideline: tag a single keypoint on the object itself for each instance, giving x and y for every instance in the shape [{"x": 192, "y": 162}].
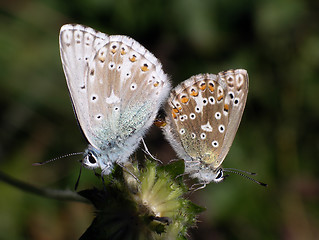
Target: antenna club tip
[
  {"x": 36, "y": 164},
  {"x": 264, "y": 184}
]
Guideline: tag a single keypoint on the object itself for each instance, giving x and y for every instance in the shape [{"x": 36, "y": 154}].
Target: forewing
[
  {"x": 126, "y": 86},
  {"x": 78, "y": 46},
  {"x": 236, "y": 82},
  {"x": 204, "y": 113}
]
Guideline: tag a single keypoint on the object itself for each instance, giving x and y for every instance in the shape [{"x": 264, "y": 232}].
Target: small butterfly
[
  {"x": 116, "y": 87},
  {"x": 203, "y": 115}
]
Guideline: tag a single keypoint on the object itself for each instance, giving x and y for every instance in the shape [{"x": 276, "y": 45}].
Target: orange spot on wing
[
  {"x": 175, "y": 110},
  {"x": 156, "y": 84},
  {"x": 226, "y": 107},
  {"x": 220, "y": 97},
  {"x": 211, "y": 88},
  {"x": 202, "y": 86},
  {"x": 174, "y": 114},
  {"x": 133, "y": 58},
  {"x": 113, "y": 50},
  {"x": 194, "y": 93},
  {"x": 102, "y": 59},
  {"x": 144, "y": 68},
  {"x": 123, "y": 51},
  {"x": 184, "y": 99}
]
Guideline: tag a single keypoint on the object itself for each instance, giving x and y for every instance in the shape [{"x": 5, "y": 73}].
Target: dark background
[{"x": 277, "y": 41}]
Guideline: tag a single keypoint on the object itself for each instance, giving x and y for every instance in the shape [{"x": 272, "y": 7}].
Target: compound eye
[
  {"x": 91, "y": 158},
  {"x": 219, "y": 176},
  {"x": 90, "y": 161}
]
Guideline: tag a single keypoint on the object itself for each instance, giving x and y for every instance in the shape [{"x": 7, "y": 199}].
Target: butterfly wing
[
  {"x": 116, "y": 86},
  {"x": 203, "y": 115},
  {"x": 127, "y": 86},
  {"x": 236, "y": 92},
  {"x": 78, "y": 46}
]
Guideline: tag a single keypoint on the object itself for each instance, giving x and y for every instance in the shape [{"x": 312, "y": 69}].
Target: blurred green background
[{"x": 277, "y": 41}]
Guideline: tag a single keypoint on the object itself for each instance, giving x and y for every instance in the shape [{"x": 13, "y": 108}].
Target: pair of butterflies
[{"x": 117, "y": 87}]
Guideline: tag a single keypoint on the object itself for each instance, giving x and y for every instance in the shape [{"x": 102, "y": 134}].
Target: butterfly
[
  {"x": 116, "y": 87},
  {"x": 202, "y": 117}
]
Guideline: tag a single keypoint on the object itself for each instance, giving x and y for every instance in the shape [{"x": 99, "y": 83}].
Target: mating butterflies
[
  {"x": 116, "y": 87},
  {"x": 203, "y": 115}
]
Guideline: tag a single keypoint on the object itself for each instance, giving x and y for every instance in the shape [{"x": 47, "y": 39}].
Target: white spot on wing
[
  {"x": 182, "y": 131},
  {"x": 112, "y": 98},
  {"x": 199, "y": 102},
  {"x": 207, "y": 127},
  {"x": 215, "y": 143}
]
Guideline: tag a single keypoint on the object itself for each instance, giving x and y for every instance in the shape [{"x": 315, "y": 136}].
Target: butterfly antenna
[
  {"x": 57, "y": 158},
  {"x": 243, "y": 175},
  {"x": 239, "y": 170},
  {"x": 78, "y": 180}
]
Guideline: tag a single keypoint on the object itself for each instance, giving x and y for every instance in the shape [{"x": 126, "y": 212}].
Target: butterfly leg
[
  {"x": 193, "y": 189},
  {"x": 78, "y": 180},
  {"x": 174, "y": 160},
  {"x": 182, "y": 174},
  {"x": 127, "y": 170},
  {"x": 145, "y": 150}
]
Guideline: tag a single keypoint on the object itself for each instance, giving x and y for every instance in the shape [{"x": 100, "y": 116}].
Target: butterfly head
[
  {"x": 205, "y": 173},
  {"x": 215, "y": 176},
  {"x": 94, "y": 158},
  {"x": 90, "y": 159}
]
